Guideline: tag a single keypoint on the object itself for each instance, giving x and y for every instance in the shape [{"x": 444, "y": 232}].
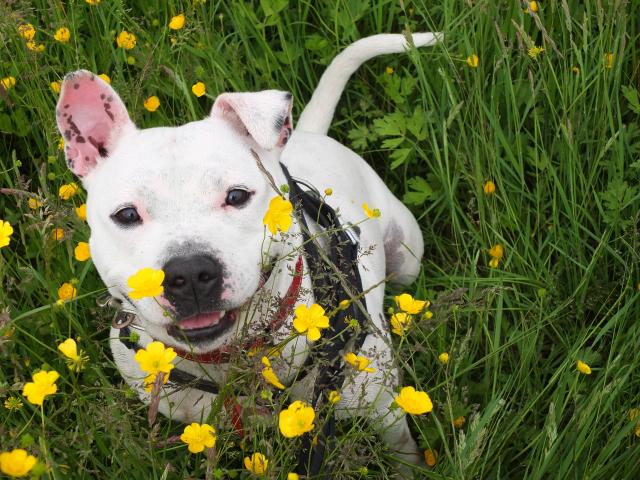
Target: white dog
[{"x": 190, "y": 200}]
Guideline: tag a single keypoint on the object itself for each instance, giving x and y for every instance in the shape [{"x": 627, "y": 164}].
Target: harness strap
[{"x": 326, "y": 269}]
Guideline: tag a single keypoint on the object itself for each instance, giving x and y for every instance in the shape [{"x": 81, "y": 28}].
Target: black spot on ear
[
  {"x": 76, "y": 86},
  {"x": 102, "y": 96},
  {"x": 80, "y": 139},
  {"x": 279, "y": 123},
  {"x": 110, "y": 98},
  {"x": 67, "y": 135},
  {"x": 66, "y": 106},
  {"x": 86, "y": 159},
  {"x": 99, "y": 146}
]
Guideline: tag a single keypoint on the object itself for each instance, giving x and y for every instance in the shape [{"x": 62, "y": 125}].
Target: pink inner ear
[{"x": 90, "y": 116}]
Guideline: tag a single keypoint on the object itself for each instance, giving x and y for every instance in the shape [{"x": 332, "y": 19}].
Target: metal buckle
[{"x": 122, "y": 319}]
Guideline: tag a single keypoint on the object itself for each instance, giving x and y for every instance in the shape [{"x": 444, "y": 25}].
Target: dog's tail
[{"x": 317, "y": 116}]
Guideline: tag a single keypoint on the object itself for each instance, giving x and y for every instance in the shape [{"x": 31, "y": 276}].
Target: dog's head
[{"x": 188, "y": 200}]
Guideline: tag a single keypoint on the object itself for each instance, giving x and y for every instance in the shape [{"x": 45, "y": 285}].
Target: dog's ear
[
  {"x": 265, "y": 116},
  {"x": 91, "y": 118}
]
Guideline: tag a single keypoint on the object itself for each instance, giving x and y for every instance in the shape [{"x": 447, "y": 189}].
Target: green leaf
[
  {"x": 417, "y": 124},
  {"x": 391, "y": 143},
  {"x": 273, "y": 7},
  {"x": 359, "y": 137},
  {"x": 392, "y": 124},
  {"x": 419, "y": 191},
  {"x": 399, "y": 157},
  {"x": 618, "y": 196},
  {"x": 631, "y": 94}
]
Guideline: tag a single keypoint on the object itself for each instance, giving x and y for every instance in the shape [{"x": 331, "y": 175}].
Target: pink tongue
[{"x": 200, "y": 321}]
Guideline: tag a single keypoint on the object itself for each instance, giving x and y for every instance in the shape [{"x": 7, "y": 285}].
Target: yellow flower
[
  {"x": 375, "y": 213},
  {"x": 583, "y": 367},
  {"x": 533, "y": 7},
  {"x": 400, "y": 323},
  {"x": 443, "y": 358},
  {"x": 27, "y": 31},
  {"x": 57, "y": 234},
  {"x": 105, "y": 77},
  {"x": 13, "y": 404},
  {"x": 8, "y": 82},
  {"x": 575, "y": 70},
  {"x": 34, "y": 47},
  {"x": 198, "y": 89},
  {"x": 93, "y": 2},
  {"x": 534, "y": 51},
  {"x": 68, "y": 190},
  {"x": 489, "y": 187},
  {"x": 430, "y": 457},
  {"x": 459, "y": 421},
  {"x": 126, "y": 40},
  {"x": 16, "y": 463},
  {"x": 177, "y": 22},
  {"x": 334, "y": 396},
  {"x": 328, "y": 192},
  {"x": 293, "y": 476},
  {"x": 61, "y": 143},
  {"x": 62, "y": 35},
  {"x": 6, "y": 230},
  {"x": 269, "y": 375},
  {"x": 69, "y": 349},
  {"x": 256, "y": 464},
  {"x": 389, "y": 70},
  {"x": 198, "y": 436},
  {"x": 608, "y": 60},
  {"x": 55, "y": 86},
  {"x": 472, "y": 61},
  {"x": 361, "y": 363},
  {"x": 75, "y": 360},
  {"x": 496, "y": 252},
  {"x": 43, "y": 384},
  {"x": 408, "y": 304},
  {"x": 82, "y": 252},
  {"x": 81, "y": 211},
  {"x": 414, "y": 401},
  {"x": 67, "y": 292},
  {"x": 146, "y": 283},
  {"x": 154, "y": 360},
  {"x": 344, "y": 304},
  {"x": 296, "y": 420},
  {"x": 278, "y": 216},
  {"x": 310, "y": 320},
  {"x": 152, "y": 103}
]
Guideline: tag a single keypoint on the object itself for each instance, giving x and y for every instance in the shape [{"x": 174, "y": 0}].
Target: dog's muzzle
[{"x": 193, "y": 286}]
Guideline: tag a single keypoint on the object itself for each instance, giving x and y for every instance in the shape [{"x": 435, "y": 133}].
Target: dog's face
[{"x": 188, "y": 200}]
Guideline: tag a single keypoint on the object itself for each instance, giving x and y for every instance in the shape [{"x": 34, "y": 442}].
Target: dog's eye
[
  {"x": 127, "y": 217},
  {"x": 237, "y": 197}
]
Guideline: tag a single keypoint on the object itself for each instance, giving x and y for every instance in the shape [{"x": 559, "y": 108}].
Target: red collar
[{"x": 224, "y": 354}]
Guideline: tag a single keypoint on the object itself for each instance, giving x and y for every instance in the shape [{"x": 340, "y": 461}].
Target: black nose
[{"x": 193, "y": 284}]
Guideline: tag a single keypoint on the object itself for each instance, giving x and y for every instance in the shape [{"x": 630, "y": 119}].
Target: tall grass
[{"x": 559, "y": 135}]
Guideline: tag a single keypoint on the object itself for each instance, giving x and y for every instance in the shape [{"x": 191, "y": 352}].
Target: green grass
[{"x": 562, "y": 147}]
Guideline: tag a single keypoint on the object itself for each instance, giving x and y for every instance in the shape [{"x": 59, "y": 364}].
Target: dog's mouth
[
  {"x": 203, "y": 326},
  {"x": 207, "y": 326}
]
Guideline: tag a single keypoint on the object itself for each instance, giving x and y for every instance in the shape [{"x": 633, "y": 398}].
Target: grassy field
[{"x": 557, "y": 131}]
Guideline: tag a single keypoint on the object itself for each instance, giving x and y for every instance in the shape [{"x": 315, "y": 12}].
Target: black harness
[{"x": 335, "y": 277}]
